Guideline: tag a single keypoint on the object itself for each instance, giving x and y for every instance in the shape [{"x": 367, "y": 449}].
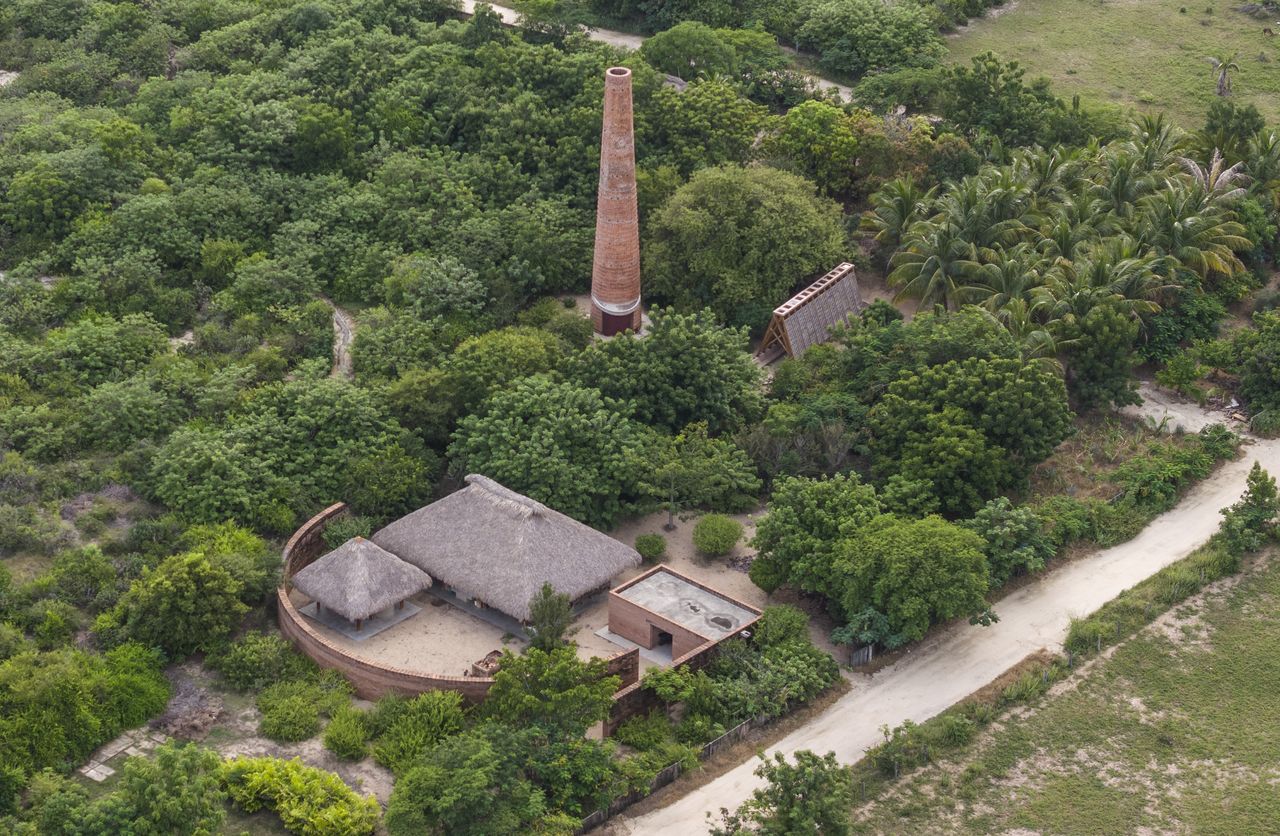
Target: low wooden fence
[
  {"x": 859, "y": 656},
  {"x": 670, "y": 774}
]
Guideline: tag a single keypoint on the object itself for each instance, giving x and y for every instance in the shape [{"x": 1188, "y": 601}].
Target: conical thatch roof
[
  {"x": 358, "y": 579},
  {"x": 497, "y": 546}
]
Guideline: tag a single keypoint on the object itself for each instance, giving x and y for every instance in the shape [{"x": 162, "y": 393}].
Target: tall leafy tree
[
  {"x": 795, "y": 542},
  {"x": 1006, "y": 413},
  {"x": 563, "y": 445},
  {"x": 551, "y": 689},
  {"x": 185, "y": 604},
  {"x": 811, "y": 795},
  {"x": 687, "y": 369},
  {"x": 738, "y": 240},
  {"x": 694, "y": 470},
  {"x": 915, "y": 572}
]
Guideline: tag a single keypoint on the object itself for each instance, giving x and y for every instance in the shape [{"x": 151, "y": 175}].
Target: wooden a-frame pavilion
[{"x": 806, "y": 318}]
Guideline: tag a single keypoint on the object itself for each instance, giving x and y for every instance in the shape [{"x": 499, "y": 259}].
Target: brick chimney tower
[{"x": 615, "y": 273}]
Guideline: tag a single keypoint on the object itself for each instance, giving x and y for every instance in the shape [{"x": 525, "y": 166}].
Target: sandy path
[
  {"x": 344, "y": 330},
  {"x": 949, "y": 667},
  {"x": 628, "y": 41},
  {"x": 1159, "y": 405}
]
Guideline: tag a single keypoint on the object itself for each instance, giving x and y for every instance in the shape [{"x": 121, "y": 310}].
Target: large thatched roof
[
  {"x": 495, "y": 545},
  {"x": 358, "y": 579}
]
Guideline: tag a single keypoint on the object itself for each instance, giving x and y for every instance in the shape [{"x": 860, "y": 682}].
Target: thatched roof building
[
  {"x": 806, "y": 318},
  {"x": 496, "y": 546},
  {"x": 358, "y": 579}
]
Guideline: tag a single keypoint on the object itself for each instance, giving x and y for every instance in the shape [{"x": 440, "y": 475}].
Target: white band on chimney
[{"x": 615, "y": 308}]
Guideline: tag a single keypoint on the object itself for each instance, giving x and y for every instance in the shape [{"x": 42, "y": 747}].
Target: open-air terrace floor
[{"x": 445, "y": 638}]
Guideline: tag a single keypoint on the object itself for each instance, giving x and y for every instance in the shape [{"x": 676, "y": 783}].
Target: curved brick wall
[{"x": 371, "y": 680}]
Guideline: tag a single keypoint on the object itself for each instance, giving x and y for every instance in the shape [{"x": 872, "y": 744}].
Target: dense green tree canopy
[
  {"x": 795, "y": 540},
  {"x": 971, "y": 427},
  {"x": 689, "y": 50},
  {"x": 291, "y": 446},
  {"x": 185, "y": 604},
  {"x": 854, "y": 37},
  {"x": 687, "y": 369},
  {"x": 811, "y": 795},
  {"x": 738, "y": 240},
  {"x": 551, "y": 689},
  {"x": 915, "y": 572},
  {"x": 563, "y": 445}
]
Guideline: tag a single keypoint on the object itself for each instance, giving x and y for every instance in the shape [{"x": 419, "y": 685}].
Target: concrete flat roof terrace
[{"x": 689, "y": 605}]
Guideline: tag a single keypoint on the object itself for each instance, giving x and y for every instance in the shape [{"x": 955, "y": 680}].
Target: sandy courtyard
[{"x": 441, "y": 639}]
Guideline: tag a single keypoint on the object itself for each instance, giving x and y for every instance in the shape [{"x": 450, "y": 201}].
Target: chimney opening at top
[{"x": 620, "y": 71}]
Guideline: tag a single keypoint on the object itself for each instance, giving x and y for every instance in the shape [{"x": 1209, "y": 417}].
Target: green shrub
[
  {"x": 242, "y": 553},
  {"x": 187, "y": 603},
  {"x": 956, "y": 729},
  {"x": 639, "y": 770},
  {"x": 1015, "y": 541},
  {"x": 646, "y": 732},
  {"x": 697, "y": 729},
  {"x": 652, "y": 547},
  {"x": 291, "y": 710},
  {"x": 347, "y": 734},
  {"x": 12, "y": 641},
  {"x": 421, "y": 723},
  {"x": 781, "y": 623},
  {"x": 257, "y": 660},
  {"x": 1067, "y": 519},
  {"x": 309, "y": 801},
  {"x": 344, "y": 528},
  {"x": 746, "y": 681},
  {"x": 12, "y": 780},
  {"x": 57, "y": 707},
  {"x": 1085, "y": 634},
  {"x": 290, "y": 719},
  {"x": 1266, "y": 423},
  {"x": 52, "y": 623},
  {"x": 715, "y": 535},
  {"x": 384, "y": 713}
]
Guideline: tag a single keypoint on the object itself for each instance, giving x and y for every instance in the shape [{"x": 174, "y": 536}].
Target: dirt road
[
  {"x": 628, "y": 41},
  {"x": 949, "y": 667}
]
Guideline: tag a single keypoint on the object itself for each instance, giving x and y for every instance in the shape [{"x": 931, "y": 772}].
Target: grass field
[
  {"x": 1144, "y": 54},
  {"x": 1175, "y": 732}
]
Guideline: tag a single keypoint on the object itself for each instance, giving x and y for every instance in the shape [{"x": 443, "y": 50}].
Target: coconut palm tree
[
  {"x": 1076, "y": 221},
  {"x": 988, "y": 210},
  {"x": 1034, "y": 341},
  {"x": 1049, "y": 175},
  {"x": 1264, "y": 167},
  {"x": 1223, "y": 66},
  {"x": 1219, "y": 181},
  {"x": 1013, "y": 276},
  {"x": 1122, "y": 181},
  {"x": 1185, "y": 224},
  {"x": 1154, "y": 143},
  {"x": 894, "y": 208},
  {"x": 933, "y": 266}
]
